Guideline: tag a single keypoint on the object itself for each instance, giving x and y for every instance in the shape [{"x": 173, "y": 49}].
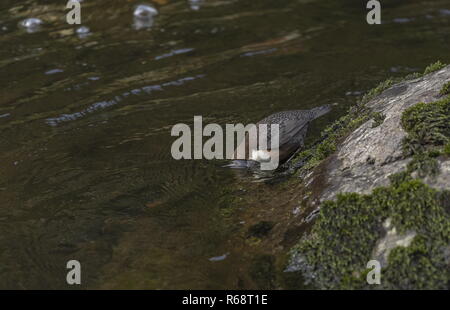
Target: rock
[
  {"x": 382, "y": 177},
  {"x": 350, "y": 171}
]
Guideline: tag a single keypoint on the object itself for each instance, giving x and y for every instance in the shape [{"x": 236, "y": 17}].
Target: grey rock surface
[{"x": 369, "y": 155}]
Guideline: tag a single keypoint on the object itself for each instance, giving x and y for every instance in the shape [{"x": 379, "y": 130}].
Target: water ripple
[
  {"x": 174, "y": 52},
  {"x": 108, "y": 103}
]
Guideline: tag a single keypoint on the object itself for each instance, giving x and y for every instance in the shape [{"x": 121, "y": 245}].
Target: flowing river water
[{"x": 86, "y": 171}]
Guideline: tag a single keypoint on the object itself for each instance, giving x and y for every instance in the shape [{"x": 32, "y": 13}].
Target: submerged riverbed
[{"x": 85, "y": 120}]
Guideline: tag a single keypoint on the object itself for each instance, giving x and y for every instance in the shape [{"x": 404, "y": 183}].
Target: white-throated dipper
[{"x": 293, "y": 126}]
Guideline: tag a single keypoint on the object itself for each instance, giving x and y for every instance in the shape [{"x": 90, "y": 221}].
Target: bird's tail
[
  {"x": 241, "y": 164},
  {"x": 319, "y": 111}
]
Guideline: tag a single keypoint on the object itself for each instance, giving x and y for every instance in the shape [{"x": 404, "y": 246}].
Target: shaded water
[{"x": 85, "y": 119}]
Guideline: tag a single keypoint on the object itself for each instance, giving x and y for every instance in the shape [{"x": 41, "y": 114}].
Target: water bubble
[
  {"x": 145, "y": 11},
  {"x": 195, "y": 4},
  {"x": 144, "y": 16},
  {"x": 83, "y": 32},
  {"x": 31, "y": 24}
]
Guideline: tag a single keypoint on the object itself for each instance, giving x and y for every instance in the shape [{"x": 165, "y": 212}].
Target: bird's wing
[{"x": 292, "y": 132}]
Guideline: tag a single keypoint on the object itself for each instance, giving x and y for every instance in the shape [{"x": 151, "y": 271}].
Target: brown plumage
[{"x": 293, "y": 126}]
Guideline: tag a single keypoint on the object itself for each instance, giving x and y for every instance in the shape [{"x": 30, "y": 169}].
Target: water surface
[{"x": 86, "y": 113}]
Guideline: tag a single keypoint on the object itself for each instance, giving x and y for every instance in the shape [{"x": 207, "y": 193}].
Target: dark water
[{"x": 85, "y": 119}]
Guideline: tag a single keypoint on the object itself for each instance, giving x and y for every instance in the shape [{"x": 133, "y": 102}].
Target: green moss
[
  {"x": 428, "y": 128},
  {"x": 445, "y": 90},
  {"x": 413, "y": 76},
  {"x": 327, "y": 144},
  {"x": 424, "y": 164},
  {"x": 347, "y": 229},
  {"x": 378, "y": 119},
  {"x": 263, "y": 271},
  {"x": 446, "y": 149},
  {"x": 378, "y": 90},
  {"x": 398, "y": 178},
  {"x": 423, "y": 257},
  {"x": 330, "y": 249},
  {"x": 434, "y": 67}
]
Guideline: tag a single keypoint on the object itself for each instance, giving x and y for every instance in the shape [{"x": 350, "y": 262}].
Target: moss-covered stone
[
  {"x": 357, "y": 115},
  {"x": 391, "y": 81},
  {"x": 424, "y": 165},
  {"x": 347, "y": 229},
  {"x": 428, "y": 126},
  {"x": 423, "y": 258}
]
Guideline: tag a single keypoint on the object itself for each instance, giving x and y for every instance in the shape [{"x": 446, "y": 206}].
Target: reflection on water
[{"x": 86, "y": 113}]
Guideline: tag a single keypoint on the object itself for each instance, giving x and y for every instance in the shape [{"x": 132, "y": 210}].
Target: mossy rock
[
  {"x": 345, "y": 234},
  {"x": 349, "y": 227}
]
